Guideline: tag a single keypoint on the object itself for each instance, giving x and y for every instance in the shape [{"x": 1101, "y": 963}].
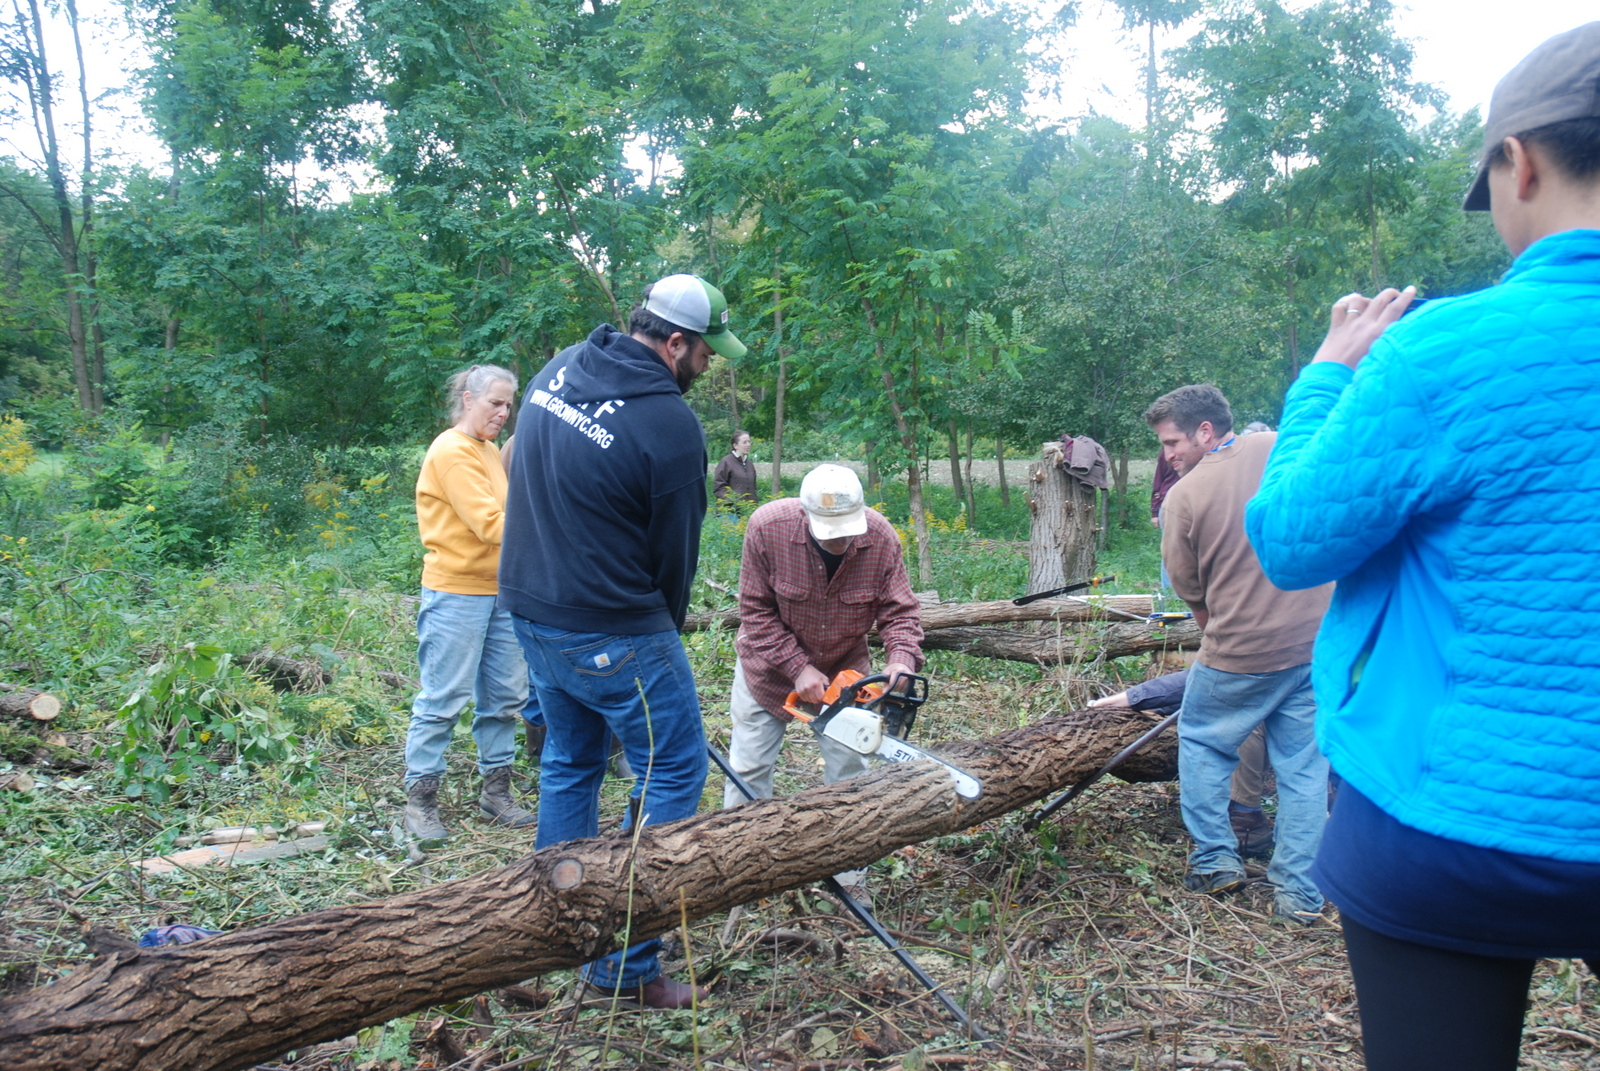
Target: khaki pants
[
  {"x": 753, "y": 753},
  {"x": 1251, "y": 773}
]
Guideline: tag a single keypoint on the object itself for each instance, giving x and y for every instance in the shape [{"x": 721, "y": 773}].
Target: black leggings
[{"x": 1428, "y": 1009}]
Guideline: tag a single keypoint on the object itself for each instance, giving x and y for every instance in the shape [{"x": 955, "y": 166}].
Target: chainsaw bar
[{"x": 862, "y": 731}]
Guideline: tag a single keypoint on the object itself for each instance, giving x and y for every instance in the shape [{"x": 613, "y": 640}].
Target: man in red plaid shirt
[{"x": 819, "y": 571}]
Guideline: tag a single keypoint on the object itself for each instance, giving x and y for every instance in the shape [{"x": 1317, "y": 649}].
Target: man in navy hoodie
[{"x": 601, "y": 543}]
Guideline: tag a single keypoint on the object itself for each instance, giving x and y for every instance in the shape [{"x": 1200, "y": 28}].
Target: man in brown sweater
[{"x": 1254, "y": 663}]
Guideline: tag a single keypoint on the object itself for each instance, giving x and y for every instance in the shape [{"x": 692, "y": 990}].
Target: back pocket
[{"x": 605, "y": 667}]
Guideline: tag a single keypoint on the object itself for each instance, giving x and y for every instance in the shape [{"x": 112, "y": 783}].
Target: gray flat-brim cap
[{"x": 1559, "y": 80}]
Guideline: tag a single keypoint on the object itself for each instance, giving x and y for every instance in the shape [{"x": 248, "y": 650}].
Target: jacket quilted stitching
[{"x": 1451, "y": 485}]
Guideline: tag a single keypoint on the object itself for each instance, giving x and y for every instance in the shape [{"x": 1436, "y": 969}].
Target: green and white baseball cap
[{"x": 689, "y": 302}]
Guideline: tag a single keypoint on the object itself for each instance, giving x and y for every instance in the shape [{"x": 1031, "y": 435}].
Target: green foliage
[{"x": 190, "y": 714}]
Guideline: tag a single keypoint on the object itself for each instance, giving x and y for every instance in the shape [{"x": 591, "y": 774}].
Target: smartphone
[{"x": 1416, "y": 303}]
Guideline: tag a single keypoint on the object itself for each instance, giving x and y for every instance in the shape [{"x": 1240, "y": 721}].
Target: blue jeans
[
  {"x": 641, "y": 689},
  {"x": 531, "y": 714},
  {"x": 1219, "y": 711},
  {"x": 467, "y": 651}
]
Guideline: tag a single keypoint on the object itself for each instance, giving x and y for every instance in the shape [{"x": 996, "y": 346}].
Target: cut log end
[{"x": 27, "y": 703}]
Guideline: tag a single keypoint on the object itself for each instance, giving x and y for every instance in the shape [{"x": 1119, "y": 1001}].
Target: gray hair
[{"x": 474, "y": 380}]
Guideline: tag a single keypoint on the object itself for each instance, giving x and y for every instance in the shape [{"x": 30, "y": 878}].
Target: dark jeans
[
  {"x": 592, "y": 685},
  {"x": 1429, "y": 1009}
]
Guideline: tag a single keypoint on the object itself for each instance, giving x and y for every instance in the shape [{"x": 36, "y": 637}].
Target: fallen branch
[
  {"x": 298, "y": 675},
  {"x": 247, "y": 996}
]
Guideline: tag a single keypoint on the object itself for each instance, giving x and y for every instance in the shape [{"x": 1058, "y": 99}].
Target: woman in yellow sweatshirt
[{"x": 465, "y": 646}]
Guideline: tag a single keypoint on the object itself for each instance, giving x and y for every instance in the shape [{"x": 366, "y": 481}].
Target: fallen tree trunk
[
  {"x": 996, "y": 612},
  {"x": 1158, "y": 761},
  {"x": 1111, "y": 640},
  {"x": 248, "y": 996},
  {"x": 27, "y": 703}
]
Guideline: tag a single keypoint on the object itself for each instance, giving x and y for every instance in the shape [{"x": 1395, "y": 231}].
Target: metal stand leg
[{"x": 860, "y": 911}]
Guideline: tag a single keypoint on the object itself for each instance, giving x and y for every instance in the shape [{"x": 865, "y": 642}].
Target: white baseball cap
[{"x": 834, "y": 504}]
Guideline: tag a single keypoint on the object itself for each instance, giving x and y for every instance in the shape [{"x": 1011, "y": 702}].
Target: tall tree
[
  {"x": 68, "y": 224},
  {"x": 1311, "y": 117},
  {"x": 875, "y": 149}
]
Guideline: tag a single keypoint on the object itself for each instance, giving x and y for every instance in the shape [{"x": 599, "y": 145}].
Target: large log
[
  {"x": 997, "y": 612},
  {"x": 27, "y": 703},
  {"x": 248, "y": 996},
  {"x": 1116, "y": 640}
]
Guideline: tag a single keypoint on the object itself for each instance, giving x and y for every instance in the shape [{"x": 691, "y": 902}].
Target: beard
[{"x": 685, "y": 376}]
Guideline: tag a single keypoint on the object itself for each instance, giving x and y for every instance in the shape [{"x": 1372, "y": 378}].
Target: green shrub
[{"x": 192, "y": 712}]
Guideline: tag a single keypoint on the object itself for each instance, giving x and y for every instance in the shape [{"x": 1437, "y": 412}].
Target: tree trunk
[
  {"x": 972, "y": 498},
  {"x": 919, "y": 522},
  {"x": 998, "y": 612},
  {"x": 1000, "y": 462},
  {"x": 97, "y": 353},
  {"x": 27, "y": 703},
  {"x": 1062, "y": 541},
  {"x": 955, "y": 460},
  {"x": 783, "y": 374},
  {"x": 65, "y": 238},
  {"x": 245, "y": 997},
  {"x": 908, "y": 440},
  {"x": 1119, "y": 480}
]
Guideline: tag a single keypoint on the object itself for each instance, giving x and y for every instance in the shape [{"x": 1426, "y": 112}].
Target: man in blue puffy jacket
[{"x": 1447, "y": 475}]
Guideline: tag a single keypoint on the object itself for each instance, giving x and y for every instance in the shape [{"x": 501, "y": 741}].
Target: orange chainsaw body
[{"x": 846, "y": 677}]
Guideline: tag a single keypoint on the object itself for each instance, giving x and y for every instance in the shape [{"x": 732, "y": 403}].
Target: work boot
[
  {"x": 618, "y": 763},
  {"x": 1291, "y": 912},
  {"x": 1214, "y": 882},
  {"x": 422, "y": 810},
  {"x": 496, "y": 803},
  {"x": 1254, "y": 830},
  {"x": 534, "y": 742}
]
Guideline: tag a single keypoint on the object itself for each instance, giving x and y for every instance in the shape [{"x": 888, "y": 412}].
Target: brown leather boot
[
  {"x": 422, "y": 810},
  {"x": 533, "y": 741},
  {"x": 496, "y": 803},
  {"x": 1255, "y": 832}
]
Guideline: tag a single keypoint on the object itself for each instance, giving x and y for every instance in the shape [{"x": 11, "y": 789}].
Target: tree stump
[{"x": 1061, "y": 545}]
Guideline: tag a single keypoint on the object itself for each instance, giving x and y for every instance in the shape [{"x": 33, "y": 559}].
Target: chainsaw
[{"x": 860, "y": 713}]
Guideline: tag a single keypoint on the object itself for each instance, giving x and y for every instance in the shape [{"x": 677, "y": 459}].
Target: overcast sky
[{"x": 1462, "y": 46}]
